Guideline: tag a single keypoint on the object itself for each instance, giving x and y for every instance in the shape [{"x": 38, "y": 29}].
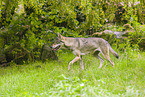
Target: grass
[{"x": 51, "y": 79}]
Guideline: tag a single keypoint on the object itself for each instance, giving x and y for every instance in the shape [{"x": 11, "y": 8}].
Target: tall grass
[{"x": 52, "y": 78}]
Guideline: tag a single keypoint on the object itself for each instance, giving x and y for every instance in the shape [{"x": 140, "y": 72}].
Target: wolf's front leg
[{"x": 74, "y": 60}]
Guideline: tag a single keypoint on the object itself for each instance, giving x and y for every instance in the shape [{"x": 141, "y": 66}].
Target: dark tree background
[{"x": 27, "y": 25}]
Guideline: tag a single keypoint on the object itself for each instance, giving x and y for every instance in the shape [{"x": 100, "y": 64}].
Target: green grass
[{"x": 51, "y": 79}]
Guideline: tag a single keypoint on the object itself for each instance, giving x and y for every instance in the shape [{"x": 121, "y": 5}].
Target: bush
[{"x": 33, "y": 23}]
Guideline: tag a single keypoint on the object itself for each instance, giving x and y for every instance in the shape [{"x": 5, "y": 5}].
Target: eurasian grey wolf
[{"x": 83, "y": 46}]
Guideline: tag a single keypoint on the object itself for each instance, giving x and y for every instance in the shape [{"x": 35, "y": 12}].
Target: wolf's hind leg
[
  {"x": 105, "y": 53},
  {"x": 101, "y": 61},
  {"x": 107, "y": 57},
  {"x": 96, "y": 54},
  {"x": 74, "y": 60}
]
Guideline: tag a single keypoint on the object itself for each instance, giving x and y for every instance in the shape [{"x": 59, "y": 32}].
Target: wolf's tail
[{"x": 113, "y": 52}]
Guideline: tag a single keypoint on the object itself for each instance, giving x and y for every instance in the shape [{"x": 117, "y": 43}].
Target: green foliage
[{"x": 32, "y": 23}]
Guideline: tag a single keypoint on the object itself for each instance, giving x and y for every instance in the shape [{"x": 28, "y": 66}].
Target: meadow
[{"x": 52, "y": 79}]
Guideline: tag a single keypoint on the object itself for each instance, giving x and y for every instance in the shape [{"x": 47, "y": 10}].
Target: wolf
[{"x": 83, "y": 46}]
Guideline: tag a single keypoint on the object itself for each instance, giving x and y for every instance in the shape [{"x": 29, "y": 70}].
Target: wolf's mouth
[{"x": 57, "y": 48}]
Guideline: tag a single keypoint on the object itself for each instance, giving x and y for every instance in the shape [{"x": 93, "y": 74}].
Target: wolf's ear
[{"x": 59, "y": 35}]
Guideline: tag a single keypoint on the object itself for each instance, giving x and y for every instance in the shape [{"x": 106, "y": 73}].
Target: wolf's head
[
  {"x": 60, "y": 37},
  {"x": 58, "y": 42}
]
